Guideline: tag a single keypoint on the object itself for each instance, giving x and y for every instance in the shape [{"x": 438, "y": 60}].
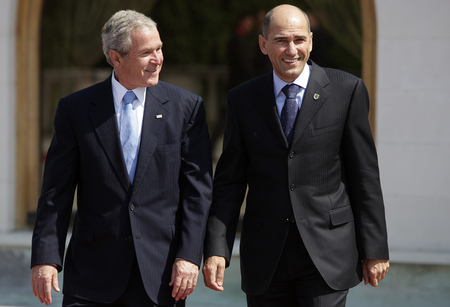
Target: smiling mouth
[
  {"x": 152, "y": 71},
  {"x": 291, "y": 61}
]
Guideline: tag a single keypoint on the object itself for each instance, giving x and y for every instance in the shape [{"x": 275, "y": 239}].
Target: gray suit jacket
[
  {"x": 162, "y": 216},
  {"x": 328, "y": 181}
]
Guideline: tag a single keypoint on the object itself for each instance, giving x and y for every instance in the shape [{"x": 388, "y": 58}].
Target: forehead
[
  {"x": 287, "y": 25},
  {"x": 145, "y": 37}
]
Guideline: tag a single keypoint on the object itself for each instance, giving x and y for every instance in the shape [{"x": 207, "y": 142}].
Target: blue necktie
[
  {"x": 290, "y": 110},
  {"x": 129, "y": 134}
]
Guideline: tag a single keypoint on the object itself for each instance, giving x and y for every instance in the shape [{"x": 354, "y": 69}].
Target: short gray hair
[
  {"x": 268, "y": 19},
  {"x": 116, "y": 33}
]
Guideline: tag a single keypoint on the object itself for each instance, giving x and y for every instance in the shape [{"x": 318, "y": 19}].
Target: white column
[
  {"x": 413, "y": 130},
  {"x": 8, "y": 15}
]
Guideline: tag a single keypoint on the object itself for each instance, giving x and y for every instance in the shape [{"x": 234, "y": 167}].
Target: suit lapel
[
  {"x": 155, "y": 117},
  {"x": 103, "y": 117},
  {"x": 314, "y": 98},
  {"x": 267, "y": 107}
]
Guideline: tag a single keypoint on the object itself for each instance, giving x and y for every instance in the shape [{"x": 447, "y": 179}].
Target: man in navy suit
[
  {"x": 138, "y": 235},
  {"x": 314, "y": 222}
]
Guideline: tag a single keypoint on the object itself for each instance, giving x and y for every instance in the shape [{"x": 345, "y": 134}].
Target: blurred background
[
  {"x": 209, "y": 46},
  {"x": 52, "y": 48}
]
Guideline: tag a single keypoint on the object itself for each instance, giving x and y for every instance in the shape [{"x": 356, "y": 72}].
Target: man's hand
[
  {"x": 213, "y": 272},
  {"x": 374, "y": 271},
  {"x": 43, "y": 278},
  {"x": 184, "y": 278}
]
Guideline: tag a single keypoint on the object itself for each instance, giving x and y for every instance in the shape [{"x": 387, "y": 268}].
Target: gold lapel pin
[{"x": 316, "y": 96}]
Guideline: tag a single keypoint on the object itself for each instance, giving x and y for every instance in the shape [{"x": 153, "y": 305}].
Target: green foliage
[
  {"x": 193, "y": 31},
  {"x": 197, "y": 32},
  {"x": 71, "y": 30}
]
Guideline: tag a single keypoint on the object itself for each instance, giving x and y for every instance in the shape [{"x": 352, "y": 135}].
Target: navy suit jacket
[
  {"x": 159, "y": 218},
  {"x": 328, "y": 180}
]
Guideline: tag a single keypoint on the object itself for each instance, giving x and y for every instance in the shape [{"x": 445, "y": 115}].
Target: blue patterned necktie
[
  {"x": 290, "y": 110},
  {"x": 129, "y": 134}
]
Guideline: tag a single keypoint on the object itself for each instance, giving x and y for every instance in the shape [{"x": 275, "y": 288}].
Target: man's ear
[
  {"x": 115, "y": 57},
  {"x": 262, "y": 44}
]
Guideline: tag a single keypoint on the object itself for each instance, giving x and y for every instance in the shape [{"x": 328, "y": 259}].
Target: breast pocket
[
  {"x": 167, "y": 153},
  {"x": 325, "y": 130},
  {"x": 166, "y": 164}
]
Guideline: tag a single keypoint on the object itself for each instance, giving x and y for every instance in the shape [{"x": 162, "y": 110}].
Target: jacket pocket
[
  {"x": 325, "y": 130},
  {"x": 175, "y": 147},
  {"x": 341, "y": 215}
]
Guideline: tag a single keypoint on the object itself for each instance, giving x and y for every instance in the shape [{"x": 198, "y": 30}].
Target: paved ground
[
  {"x": 15, "y": 287},
  {"x": 405, "y": 285},
  {"x": 19, "y": 294}
]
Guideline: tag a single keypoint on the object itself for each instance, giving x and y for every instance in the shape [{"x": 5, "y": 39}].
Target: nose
[
  {"x": 156, "y": 57},
  {"x": 290, "y": 49}
]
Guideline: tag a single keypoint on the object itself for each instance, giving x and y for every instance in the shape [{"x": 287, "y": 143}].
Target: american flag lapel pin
[{"x": 159, "y": 116}]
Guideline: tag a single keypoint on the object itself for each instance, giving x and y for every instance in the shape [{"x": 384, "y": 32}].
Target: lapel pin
[
  {"x": 316, "y": 96},
  {"x": 158, "y": 115}
]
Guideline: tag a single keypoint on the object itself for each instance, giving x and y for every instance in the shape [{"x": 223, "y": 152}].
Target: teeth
[{"x": 290, "y": 61}]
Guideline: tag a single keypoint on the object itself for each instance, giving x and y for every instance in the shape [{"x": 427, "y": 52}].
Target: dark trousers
[
  {"x": 134, "y": 296},
  {"x": 297, "y": 282}
]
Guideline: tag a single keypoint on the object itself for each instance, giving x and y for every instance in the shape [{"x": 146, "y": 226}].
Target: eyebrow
[
  {"x": 144, "y": 50},
  {"x": 286, "y": 36}
]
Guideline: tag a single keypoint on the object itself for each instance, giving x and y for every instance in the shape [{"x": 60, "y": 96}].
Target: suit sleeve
[
  {"x": 56, "y": 200},
  {"x": 363, "y": 181},
  {"x": 195, "y": 184},
  {"x": 230, "y": 184}
]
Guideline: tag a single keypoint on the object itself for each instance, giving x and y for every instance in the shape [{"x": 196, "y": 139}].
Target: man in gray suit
[
  {"x": 299, "y": 139},
  {"x": 138, "y": 151}
]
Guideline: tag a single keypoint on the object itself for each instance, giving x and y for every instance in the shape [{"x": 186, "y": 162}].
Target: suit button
[
  {"x": 132, "y": 207},
  {"x": 292, "y": 188},
  {"x": 292, "y": 155}
]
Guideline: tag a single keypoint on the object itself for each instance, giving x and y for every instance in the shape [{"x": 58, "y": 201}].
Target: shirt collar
[
  {"x": 119, "y": 91},
  {"x": 301, "y": 80}
]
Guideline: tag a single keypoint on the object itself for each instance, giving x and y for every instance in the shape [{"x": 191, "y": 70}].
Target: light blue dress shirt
[{"x": 278, "y": 85}]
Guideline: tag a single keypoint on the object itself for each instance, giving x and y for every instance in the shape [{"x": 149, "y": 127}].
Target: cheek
[
  {"x": 273, "y": 53},
  {"x": 306, "y": 48},
  {"x": 279, "y": 52}
]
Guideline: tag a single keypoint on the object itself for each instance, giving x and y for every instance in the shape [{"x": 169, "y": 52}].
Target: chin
[
  {"x": 152, "y": 82},
  {"x": 294, "y": 73}
]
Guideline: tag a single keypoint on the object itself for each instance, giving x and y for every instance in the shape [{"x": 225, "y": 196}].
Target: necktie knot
[
  {"x": 291, "y": 91},
  {"x": 129, "y": 97}
]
